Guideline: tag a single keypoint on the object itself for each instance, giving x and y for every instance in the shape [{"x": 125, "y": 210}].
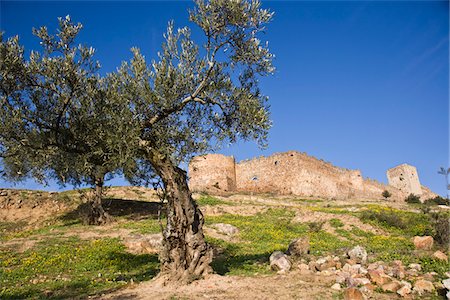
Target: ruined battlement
[{"x": 295, "y": 173}]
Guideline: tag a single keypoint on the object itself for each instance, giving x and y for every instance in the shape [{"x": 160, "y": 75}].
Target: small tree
[
  {"x": 191, "y": 100},
  {"x": 445, "y": 172},
  {"x": 386, "y": 194},
  {"x": 412, "y": 199},
  {"x": 59, "y": 119}
]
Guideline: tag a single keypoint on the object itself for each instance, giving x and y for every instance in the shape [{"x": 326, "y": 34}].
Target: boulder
[
  {"x": 280, "y": 262},
  {"x": 299, "y": 247},
  {"x": 352, "y": 293},
  {"x": 440, "y": 255},
  {"x": 358, "y": 254},
  {"x": 423, "y": 242},
  {"x": 226, "y": 229},
  {"x": 423, "y": 286}
]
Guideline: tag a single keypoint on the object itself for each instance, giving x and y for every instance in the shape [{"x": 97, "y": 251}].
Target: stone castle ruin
[{"x": 295, "y": 173}]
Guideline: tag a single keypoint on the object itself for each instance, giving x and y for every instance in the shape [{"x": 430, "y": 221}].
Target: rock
[
  {"x": 378, "y": 277},
  {"x": 423, "y": 242},
  {"x": 340, "y": 279},
  {"x": 392, "y": 286},
  {"x": 299, "y": 247},
  {"x": 3, "y": 193},
  {"x": 398, "y": 269},
  {"x": 448, "y": 295},
  {"x": 279, "y": 262},
  {"x": 304, "y": 268},
  {"x": 423, "y": 286},
  {"x": 440, "y": 255},
  {"x": 313, "y": 266},
  {"x": 446, "y": 283},
  {"x": 353, "y": 294},
  {"x": 321, "y": 261},
  {"x": 361, "y": 280},
  {"x": 226, "y": 229},
  {"x": 358, "y": 254},
  {"x": 417, "y": 267},
  {"x": 404, "y": 290},
  {"x": 336, "y": 287}
]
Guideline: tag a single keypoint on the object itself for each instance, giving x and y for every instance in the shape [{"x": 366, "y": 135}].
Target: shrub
[
  {"x": 386, "y": 194},
  {"x": 336, "y": 223},
  {"x": 438, "y": 200},
  {"x": 315, "y": 226},
  {"x": 385, "y": 217},
  {"x": 411, "y": 199},
  {"x": 441, "y": 225}
]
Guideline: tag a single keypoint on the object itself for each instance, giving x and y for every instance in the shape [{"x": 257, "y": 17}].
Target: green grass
[
  {"x": 260, "y": 235},
  {"x": 336, "y": 223},
  {"x": 210, "y": 200},
  {"x": 71, "y": 268},
  {"x": 146, "y": 226},
  {"x": 398, "y": 222}
]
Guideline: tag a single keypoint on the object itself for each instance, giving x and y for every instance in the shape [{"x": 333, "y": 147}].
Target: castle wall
[
  {"x": 298, "y": 174},
  {"x": 212, "y": 172}
]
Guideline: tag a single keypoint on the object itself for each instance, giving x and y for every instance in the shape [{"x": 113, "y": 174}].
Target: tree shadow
[
  {"x": 132, "y": 267},
  {"x": 130, "y": 209},
  {"x": 227, "y": 260}
]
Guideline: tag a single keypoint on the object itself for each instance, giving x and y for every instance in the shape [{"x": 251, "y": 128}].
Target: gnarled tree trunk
[
  {"x": 95, "y": 214},
  {"x": 185, "y": 256}
]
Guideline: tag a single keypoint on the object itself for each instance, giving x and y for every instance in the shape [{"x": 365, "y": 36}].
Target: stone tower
[
  {"x": 405, "y": 178},
  {"x": 212, "y": 172}
]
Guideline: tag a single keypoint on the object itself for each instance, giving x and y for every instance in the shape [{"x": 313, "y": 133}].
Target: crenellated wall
[{"x": 287, "y": 173}]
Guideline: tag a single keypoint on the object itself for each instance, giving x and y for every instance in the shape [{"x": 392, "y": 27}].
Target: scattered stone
[
  {"x": 353, "y": 294},
  {"x": 358, "y": 254},
  {"x": 299, "y": 247},
  {"x": 398, "y": 269},
  {"x": 279, "y": 262},
  {"x": 404, "y": 290},
  {"x": 440, "y": 255},
  {"x": 226, "y": 229},
  {"x": 423, "y": 286},
  {"x": 361, "y": 280},
  {"x": 446, "y": 283},
  {"x": 336, "y": 287},
  {"x": 341, "y": 278},
  {"x": 313, "y": 266},
  {"x": 378, "y": 277},
  {"x": 304, "y": 268},
  {"x": 417, "y": 267},
  {"x": 423, "y": 242},
  {"x": 392, "y": 286}
]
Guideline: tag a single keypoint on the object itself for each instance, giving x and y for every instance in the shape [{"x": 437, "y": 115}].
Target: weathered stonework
[
  {"x": 295, "y": 173},
  {"x": 405, "y": 178}
]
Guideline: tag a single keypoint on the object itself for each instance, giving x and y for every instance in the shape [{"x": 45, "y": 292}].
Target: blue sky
[{"x": 364, "y": 85}]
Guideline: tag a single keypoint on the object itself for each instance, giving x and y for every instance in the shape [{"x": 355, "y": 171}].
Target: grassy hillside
[{"x": 56, "y": 257}]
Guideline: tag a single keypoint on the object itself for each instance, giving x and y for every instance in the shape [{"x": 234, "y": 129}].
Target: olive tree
[
  {"x": 193, "y": 98},
  {"x": 58, "y": 117}
]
